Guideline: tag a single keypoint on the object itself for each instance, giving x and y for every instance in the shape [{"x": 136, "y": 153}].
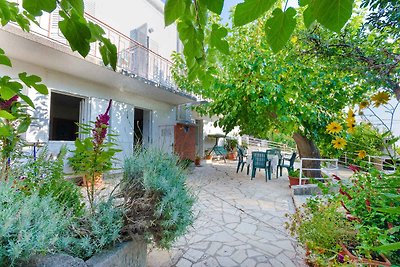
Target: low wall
[{"x": 128, "y": 254}]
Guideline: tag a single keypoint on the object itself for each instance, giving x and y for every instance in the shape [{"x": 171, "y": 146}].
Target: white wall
[
  {"x": 126, "y": 15},
  {"x": 121, "y": 113}
]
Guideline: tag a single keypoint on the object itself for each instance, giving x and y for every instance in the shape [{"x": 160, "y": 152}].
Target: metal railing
[
  {"x": 262, "y": 144},
  {"x": 134, "y": 59},
  {"x": 379, "y": 162},
  {"x": 330, "y": 167}
]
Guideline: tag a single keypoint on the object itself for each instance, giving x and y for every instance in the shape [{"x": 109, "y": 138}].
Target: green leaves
[
  {"x": 331, "y": 14},
  {"x": 215, "y": 6},
  {"x": 250, "y": 10},
  {"x": 173, "y": 10},
  {"x": 77, "y": 5},
  {"x": 4, "y": 60},
  {"x": 216, "y": 38},
  {"x": 36, "y": 7},
  {"x": 6, "y": 115},
  {"x": 34, "y": 81},
  {"x": 76, "y": 32},
  {"x": 280, "y": 27}
]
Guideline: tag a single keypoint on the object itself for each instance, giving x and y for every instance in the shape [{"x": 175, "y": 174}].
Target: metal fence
[
  {"x": 326, "y": 166},
  {"x": 134, "y": 58}
]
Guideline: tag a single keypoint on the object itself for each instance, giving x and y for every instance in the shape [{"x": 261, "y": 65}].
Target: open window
[{"x": 65, "y": 113}]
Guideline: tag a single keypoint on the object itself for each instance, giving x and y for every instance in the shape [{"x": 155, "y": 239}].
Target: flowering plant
[{"x": 93, "y": 155}]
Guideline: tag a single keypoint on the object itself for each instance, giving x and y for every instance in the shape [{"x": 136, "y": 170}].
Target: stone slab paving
[{"x": 239, "y": 222}]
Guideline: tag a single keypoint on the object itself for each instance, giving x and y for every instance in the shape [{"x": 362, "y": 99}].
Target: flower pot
[
  {"x": 98, "y": 180},
  {"x": 368, "y": 262},
  {"x": 231, "y": 156},
  {"x": 295, "y": 181},
  {"x": 197, "y": 161}
]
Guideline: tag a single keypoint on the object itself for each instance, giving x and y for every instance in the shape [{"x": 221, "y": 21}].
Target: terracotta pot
[
  {"x": 197, "y": 161},
  {"x": 295, "y": 181},
  {"x": 98, "y": 180},
  {"x": 364, "y": 261},
  {"x": 208, "y": 157},
  {"x": 231, "y": 156}
]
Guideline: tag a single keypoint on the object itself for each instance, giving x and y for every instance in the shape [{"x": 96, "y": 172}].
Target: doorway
[{"x": 142, "y": 128}]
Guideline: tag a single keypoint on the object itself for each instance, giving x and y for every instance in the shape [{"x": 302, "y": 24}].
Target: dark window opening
[
  {"x": 64, "y": 116},
  {"x": 138, "y": 137}
]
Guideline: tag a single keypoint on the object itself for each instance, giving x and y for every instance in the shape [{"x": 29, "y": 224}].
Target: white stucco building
[{"x": 145, "y": 100}]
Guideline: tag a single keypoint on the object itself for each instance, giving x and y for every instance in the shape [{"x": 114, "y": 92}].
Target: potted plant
[
  {"x": 197, "y": 160},
  {"x": 230, "y": 146},
  {"x": 294, "y": 178},
  {"x": 207, "y": 154}
]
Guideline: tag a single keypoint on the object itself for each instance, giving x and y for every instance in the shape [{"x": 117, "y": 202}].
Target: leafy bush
[
  {"x": 94, "y": 231},
  {"x": 29, "y": 224},
  {"x": 46, "y": 176},
  {"x": 157, "y": 201},
  {"x": 320, "y": 228}
]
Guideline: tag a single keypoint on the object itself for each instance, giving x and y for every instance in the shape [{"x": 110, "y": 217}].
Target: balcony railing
[{"x": 134, "y": 59}]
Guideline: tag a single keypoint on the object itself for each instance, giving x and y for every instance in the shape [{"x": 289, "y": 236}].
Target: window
[{"x": 64, "y": 116}]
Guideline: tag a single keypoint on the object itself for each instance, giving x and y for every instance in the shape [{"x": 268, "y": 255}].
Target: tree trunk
[{"x": 307, "y": 149}]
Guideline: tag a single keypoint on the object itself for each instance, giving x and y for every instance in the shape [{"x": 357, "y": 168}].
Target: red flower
[
  {"x": 344, "y": 206},
  {"x": 336, "y": 177},
  {"x": 344, "y": 193},
  {"x": 100, "y": 126},
  {"x": 354, "y": 168},
  {"x": 6, "y": 104},
  {"x": 368, "y": 204}
]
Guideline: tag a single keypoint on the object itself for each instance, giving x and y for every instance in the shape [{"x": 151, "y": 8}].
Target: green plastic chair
[
  {"x": 260, "y": 161},
  {"x": 241, "y": 159},
  {"x": 220, "y": 151},
  {"x": 289, "y": 165}
]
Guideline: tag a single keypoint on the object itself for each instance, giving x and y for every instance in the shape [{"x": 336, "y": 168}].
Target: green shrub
[
  {"x": 157, "y": 201},
  {"x": 320, "y": 227},
  {"x": 29, "y": 224},
  {"x": 45, "y": 175},
  {"x": 94, "y": 231}
]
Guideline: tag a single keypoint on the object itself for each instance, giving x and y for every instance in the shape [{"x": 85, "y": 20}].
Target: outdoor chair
[
  {"x": 275, "y": 156},
  {"x": 242, "y": 159},
  {"x": 220, "y": 151},
  {"x": 259, "y": 160},
  {"x": 289, "y": 164}
]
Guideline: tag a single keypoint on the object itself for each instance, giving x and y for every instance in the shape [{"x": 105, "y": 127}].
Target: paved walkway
[{"x": 239, "y": 222}]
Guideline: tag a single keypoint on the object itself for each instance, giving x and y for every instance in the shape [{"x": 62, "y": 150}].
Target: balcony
[{"x": 134, "y": 60}]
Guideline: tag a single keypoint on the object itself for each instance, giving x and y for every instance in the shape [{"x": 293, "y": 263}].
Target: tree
[
  {"x": 192, "y": 21},
  {"x": 291, "y": 91}
]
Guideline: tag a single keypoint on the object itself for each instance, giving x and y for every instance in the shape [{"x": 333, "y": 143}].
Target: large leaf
[
  {"x": 27, "y": 100},
  {"x": 216, "y": 38},
  {"x": 308, "y": 17},
  {"x": 250, "y": 10},
  {"x": 280, "y": 27},
  {"x": 23, "y": 126},
  {"x": 215, "y": 6},
  {"x": 6, "y": 92},
  {"x": 332, "y": 14},
  {"x": 4, "y": 60},
  {"x": 6, "y": 115},
  {"x": 35, "y": 7},
  {"x": 78, "y": 5},
  {"x": 77, "y": 32},
  {"x": 173, "y": 9},
  {"x": 34, "y": 81}
]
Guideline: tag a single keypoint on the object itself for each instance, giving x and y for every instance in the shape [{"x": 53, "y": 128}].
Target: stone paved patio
[{"x": 239, "y": 222}]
